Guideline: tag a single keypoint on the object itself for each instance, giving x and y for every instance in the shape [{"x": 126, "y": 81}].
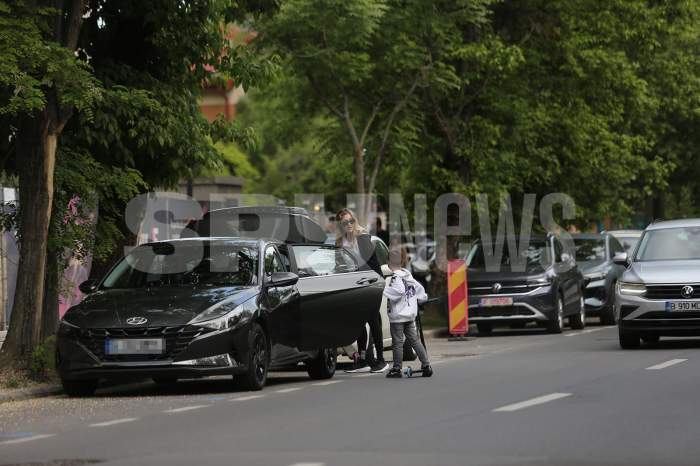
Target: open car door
[{"x": 336, "y": 298}]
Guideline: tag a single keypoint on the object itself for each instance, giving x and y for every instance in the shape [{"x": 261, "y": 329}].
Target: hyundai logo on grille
[
  {"x": 687, "y": 291},
  {"x": 136, "y": 320},
  {"x": 496, "y": 287}
]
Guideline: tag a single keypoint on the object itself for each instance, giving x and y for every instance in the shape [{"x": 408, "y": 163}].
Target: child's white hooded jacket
[{"x": 403, "y": 295}]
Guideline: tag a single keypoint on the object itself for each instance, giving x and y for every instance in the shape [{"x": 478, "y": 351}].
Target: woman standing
[{"x": 356, "y": 239}]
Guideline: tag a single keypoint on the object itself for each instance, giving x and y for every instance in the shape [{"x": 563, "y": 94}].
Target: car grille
[
  {"x": 500, "y": 311},
  {"x": 670, "y": 291},
  {"x": 483, "y": 288},
  {"x": 176, "y": 340}
]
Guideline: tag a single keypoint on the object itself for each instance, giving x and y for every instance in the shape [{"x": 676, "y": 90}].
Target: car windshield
[
  {"x": 589, "y": 249},
  {"x": 178, "y": 264},
  {"x": 670, "y": 244},
  {"x": 535, "y": 257}
]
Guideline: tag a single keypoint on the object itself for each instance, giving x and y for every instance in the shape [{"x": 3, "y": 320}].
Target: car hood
[
  {"x": 593, "y": 266},
  {"x": 687, "y": 271},
  {"x": 504, "y": 277},
  {"x": 163, "y": 306}
]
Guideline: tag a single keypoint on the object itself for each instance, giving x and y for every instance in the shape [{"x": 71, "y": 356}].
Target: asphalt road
[{"x": 522, "y": 398}]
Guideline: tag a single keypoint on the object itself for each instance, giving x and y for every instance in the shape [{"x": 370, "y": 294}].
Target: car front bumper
[
  {"x": 638, "y": 314},
  {"x": 535, "y": 305},
  {"x": 77, "y": 359}
]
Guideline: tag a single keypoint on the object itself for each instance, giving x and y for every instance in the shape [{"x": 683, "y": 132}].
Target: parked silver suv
[{"x": 659, "y": 293}]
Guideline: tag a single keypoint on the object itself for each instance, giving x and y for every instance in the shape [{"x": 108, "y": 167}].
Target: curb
[{"x": 28, "y": 393}]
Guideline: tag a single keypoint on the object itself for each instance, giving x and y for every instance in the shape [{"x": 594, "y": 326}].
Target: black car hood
[{"x": 162, "y": 306}]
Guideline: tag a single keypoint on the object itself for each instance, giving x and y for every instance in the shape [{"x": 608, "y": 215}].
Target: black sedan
[
  {"x": 211, "y": 306},
  {"x": 594, "y": 256},
  {"x": 541, "y": 283}
]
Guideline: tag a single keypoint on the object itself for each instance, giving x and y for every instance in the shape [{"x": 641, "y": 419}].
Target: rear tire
[
  {"x": 323, "y": 366},
  {"x": 79, "y": 388},
  {"x": 484, "y": 328},
  {"x": 628, "y": 340},
  {"x": 578, "y": 321},
  {"x": 255, "y": 376},
  {"x": 557, "y": 323}
]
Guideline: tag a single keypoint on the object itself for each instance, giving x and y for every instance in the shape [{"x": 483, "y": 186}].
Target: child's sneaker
[
  {"x": 394, "y": 373},
  {"x": 427, "y": 371}
]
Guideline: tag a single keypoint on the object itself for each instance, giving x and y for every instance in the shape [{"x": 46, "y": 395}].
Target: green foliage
[
  {"x": 42, "y": 359},
  {"x": 597, "y": 99}
]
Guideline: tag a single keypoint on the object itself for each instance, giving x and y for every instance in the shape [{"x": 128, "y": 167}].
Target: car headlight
[
  {"x": 594, "y": 276},
  {"x": 65, "y": 328},
  {"x": 540, "y": 281},
  {"x": 225, "y": 316},
  {"x": 635, "y": 289}
]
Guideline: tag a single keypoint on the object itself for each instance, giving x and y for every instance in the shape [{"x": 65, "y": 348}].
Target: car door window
[
  {"x": 314, "y": 261},
  {"x": 615, "y": 247},
  {"x": 273, "y": 263},
  {"x": 382, "y": 252}
]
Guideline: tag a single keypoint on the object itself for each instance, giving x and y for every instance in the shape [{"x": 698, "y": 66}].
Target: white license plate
[
  {"x": 134, "y": 346},
  {"x": 491, "y": 302},
  {"x": 683, "y": 306}
]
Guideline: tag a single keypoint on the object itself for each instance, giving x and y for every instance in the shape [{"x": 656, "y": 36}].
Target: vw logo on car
[
  {"x": 687, "y": 291},
  {"x": 137, "y": 320},
  {"x": 496, "y": 287}
]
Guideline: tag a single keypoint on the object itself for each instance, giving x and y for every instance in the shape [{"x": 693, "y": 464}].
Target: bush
[{"x": 41, "y": 361}]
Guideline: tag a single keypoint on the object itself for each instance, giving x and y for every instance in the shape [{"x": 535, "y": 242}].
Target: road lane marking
[
  {"x": 364, "y": 375},
  {"x": 532, "y": 402},
  {"x": 116, "y": 421},
  {"x": 185, "y": 408},
  {"x": 308, "y": 464},
  {"x": 666, "y": 364},
  {"x": 288, "y": 390},
  {"x": 323, "y": 384},
  {"x": 583, "y": 332},
  {"x": 246, "y": 398},
  {"x": 26, "y": 439}
]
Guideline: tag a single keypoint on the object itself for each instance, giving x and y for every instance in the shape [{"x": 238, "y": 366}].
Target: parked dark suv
[
  {"x": 594, "y": 256},
  {"x": 542, "y": 284}
]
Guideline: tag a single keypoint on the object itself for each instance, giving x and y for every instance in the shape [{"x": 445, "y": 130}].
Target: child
[{"x": 403, "y": 294}]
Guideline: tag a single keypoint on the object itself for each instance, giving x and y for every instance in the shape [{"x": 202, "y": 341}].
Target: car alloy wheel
[
  {"x": 323, "y": 365},
  {"x": 255, "y": 376}
]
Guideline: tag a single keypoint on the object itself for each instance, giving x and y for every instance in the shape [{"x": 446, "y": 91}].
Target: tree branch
[
  {"x": 314, "y": 86},
  {"x": 387, "y": 129}
]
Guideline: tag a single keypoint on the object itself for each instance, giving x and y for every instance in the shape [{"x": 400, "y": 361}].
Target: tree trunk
[
  {"x": 36, "y": 157},
  {"x": 52, "y": 291}
]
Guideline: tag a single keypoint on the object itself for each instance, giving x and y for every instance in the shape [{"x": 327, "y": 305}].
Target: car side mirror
[
  {"x": 282, "y": 279},
  {"x": 386, "y": 271},
  {"x": 88, "y": 286},
  {"x": 621, "y": 258}
]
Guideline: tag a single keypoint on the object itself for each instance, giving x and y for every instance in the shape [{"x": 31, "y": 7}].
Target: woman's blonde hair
[{"x": 339, "y": 232}]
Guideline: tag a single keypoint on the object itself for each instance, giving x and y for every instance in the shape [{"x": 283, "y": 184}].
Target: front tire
[
  {"x": 79, "y": 388},
  {"x": 255, "y": 376},
  {"x": 628, "y": 340},
  {"x": 323, "y": 366},
  {"x": 607, "y": 314},
  {"x": 578, "y": 321},
  {"x": 557, "y": 323}
]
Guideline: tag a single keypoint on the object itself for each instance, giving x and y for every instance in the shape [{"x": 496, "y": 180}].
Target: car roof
[
  {"x": 625, "y": 232},
  {"x": 680, "y": 223},
  {"x": 230, "y": 239}
]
